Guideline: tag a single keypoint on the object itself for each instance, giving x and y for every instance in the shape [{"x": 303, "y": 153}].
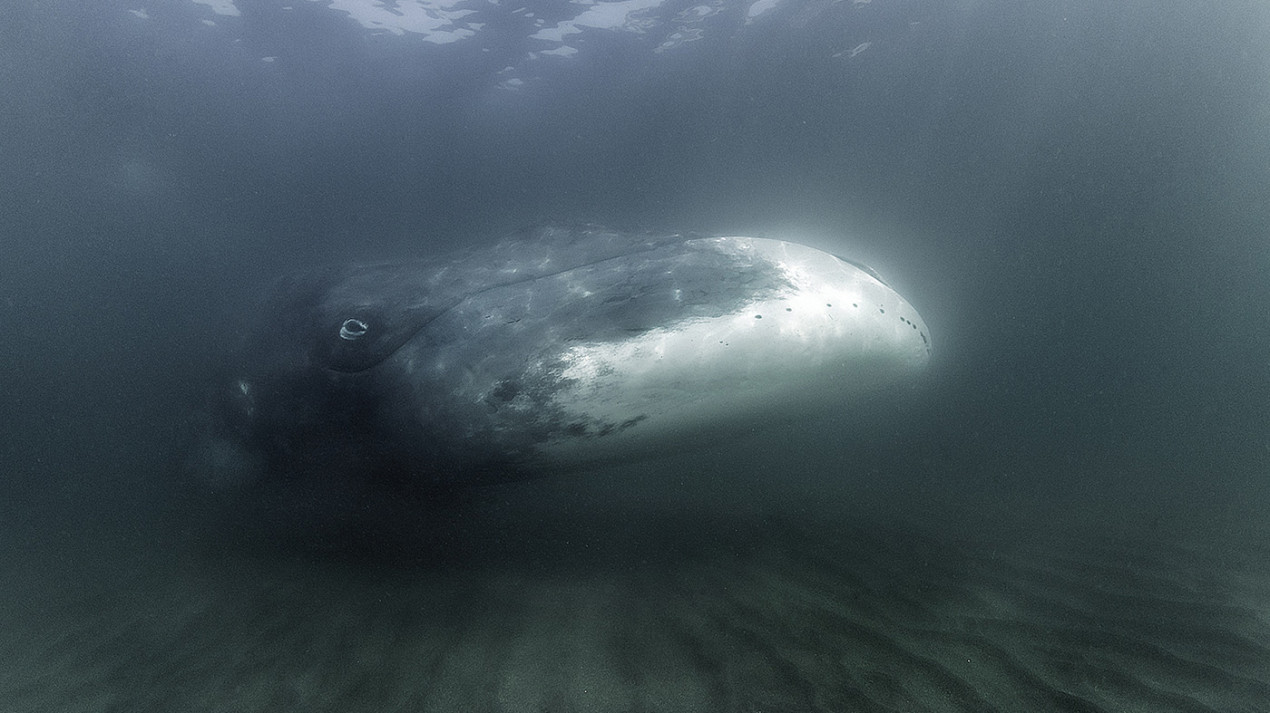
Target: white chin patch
[{"x": 833, "y": 334}]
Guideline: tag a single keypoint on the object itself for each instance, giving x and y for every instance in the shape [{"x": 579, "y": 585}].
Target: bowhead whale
[{"x": 553, "y": 350}]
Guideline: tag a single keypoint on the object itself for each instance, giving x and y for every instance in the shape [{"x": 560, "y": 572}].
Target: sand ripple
[{"x": 644, "y": 611}]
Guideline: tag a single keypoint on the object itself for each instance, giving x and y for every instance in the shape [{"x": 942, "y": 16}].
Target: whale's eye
[{"x": 353, "y": 329}]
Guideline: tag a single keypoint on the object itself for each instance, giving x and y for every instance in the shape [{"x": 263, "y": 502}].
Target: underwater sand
[{"x": 559, "y": 603}]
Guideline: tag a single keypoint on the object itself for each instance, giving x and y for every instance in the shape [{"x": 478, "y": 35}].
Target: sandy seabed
[{"x": 562, "y": 606}]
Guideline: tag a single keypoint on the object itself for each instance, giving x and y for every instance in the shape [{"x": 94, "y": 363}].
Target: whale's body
[{"x": 556, "y": 350}]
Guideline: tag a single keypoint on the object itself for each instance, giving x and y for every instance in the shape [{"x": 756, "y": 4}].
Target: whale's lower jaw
[
  {"x": 647, "y": 420},
  {"x": 675, "y": 390},
  {"x": 829, "y": 336}
]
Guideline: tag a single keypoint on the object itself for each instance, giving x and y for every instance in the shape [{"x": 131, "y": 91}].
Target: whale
[{"x": 554, "y": 350}]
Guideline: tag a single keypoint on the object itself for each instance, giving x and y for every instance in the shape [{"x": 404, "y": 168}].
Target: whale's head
[{"x": 566, "y": 350}]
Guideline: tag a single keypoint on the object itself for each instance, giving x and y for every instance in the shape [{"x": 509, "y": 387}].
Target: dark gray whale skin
[{"x": 438, "y": 374}]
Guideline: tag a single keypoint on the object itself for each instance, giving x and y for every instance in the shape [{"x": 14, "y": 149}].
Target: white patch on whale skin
[{"x": 833, "y": 334}]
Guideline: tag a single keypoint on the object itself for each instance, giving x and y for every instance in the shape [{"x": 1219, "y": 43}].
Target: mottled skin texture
[{"x": 452, "y": 372}]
